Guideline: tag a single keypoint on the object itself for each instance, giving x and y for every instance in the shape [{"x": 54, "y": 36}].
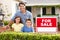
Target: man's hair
[
  {"x": 21, "y": 3},
  {"x": 28, "y": 20}
]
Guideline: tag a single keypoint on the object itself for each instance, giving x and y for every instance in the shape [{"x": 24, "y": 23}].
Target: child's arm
[
  {"x": 22, "y": 29},
  {"x": 12, "y": 27}
]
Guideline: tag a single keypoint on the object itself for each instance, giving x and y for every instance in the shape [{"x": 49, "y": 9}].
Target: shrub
[
  {"x": 28, "y": 36},
  {"x": 6, "y": 22},
  {"x": 38, "y": 15}
]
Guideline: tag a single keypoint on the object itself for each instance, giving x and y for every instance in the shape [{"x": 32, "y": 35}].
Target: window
[
  {"x": 44, "y": 11},
  {"x": 28, "y": 8},
  {"x": 53, "y": 10}
]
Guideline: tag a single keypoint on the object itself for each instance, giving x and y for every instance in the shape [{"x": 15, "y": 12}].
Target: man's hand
[{"x": 7, "y": 27}]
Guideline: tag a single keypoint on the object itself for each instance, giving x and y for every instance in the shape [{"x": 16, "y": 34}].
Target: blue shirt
[
  {"x": 27, "y": 29},
  {"x": 27, "y": 15}
]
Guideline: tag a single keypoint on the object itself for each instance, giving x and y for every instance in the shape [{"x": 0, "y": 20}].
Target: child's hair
[
  {"x": 18, "y": 17},
  {"x": 28, "y": 19}
]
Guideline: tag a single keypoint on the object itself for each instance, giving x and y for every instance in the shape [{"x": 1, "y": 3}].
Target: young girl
[{"x": 17, "y": 24}]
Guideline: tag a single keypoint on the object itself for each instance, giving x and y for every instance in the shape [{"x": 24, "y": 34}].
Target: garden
[{"x": 11, "y": 35}]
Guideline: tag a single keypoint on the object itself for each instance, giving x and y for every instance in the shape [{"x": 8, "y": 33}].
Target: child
[
  {"x": 17, "y": 24},
  {"x": 28, "y": 26}
]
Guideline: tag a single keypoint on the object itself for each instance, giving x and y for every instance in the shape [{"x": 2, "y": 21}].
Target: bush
[
  {"x": 38, "y": 15},
  {"x": 28, "y": 36},
  {"x": 6, "y": 22}
]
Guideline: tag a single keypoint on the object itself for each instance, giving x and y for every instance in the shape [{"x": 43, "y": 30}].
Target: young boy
[{"x": 28, "y": 26}]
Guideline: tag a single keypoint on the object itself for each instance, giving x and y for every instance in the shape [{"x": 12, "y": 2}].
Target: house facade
[
  {"x": 44, "y": 7},
  {"x": 37, "y": 7}
]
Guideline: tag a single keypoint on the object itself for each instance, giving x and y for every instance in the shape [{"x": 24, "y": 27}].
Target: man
[{"x": 23, "y": 13}]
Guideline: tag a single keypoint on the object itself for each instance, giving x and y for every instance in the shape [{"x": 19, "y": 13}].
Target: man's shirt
[{"x": 27, "y": 15}]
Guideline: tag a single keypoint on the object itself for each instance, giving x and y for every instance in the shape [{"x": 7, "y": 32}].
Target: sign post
[{"x": 48, "y": 24}]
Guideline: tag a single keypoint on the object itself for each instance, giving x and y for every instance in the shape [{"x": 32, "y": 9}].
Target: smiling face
[
  {"x": 22, "y": 7},
  {"x": 17, "y": 20},
  {"x": 28, "y": 23}
]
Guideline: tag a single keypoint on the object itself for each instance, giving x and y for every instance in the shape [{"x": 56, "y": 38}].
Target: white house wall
[
  {"x": 36, "y": 11},
  {"x": 57, "y": 10}
]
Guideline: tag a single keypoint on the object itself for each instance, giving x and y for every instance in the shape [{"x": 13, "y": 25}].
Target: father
[{"x": 23, "y": 13}]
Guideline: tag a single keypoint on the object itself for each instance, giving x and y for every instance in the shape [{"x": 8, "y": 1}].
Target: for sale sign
[{"x": 46, "y": 24}]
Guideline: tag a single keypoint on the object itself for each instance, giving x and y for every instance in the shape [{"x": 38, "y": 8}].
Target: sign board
[{"x": 47, "y": 24}]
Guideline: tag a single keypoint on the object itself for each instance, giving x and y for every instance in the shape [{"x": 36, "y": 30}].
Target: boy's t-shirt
[
  {"x": 27, "y": 29},
  {"x": 17, "y": 27}
]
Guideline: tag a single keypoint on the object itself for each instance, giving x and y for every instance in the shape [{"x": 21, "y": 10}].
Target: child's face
[
  {"x": 17, "y": 20},
  {"x": 28, "y": 23}
]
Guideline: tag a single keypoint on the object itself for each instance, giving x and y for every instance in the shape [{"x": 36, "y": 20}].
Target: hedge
[{"x": 28, "y": 36}]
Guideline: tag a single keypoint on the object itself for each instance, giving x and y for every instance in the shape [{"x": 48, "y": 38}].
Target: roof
[{"x": 42, "y": 2}]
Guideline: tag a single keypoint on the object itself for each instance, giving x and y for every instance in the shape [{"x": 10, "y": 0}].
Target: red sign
[{"x": 46, "y": 22}]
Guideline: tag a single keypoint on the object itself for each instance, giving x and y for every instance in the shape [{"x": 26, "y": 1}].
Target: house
[
  {"x": 37, "y": 7},
  {"x": 43, "y": 7}
]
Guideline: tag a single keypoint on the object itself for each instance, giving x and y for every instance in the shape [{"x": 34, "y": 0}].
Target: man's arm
[{"x": 12, "y": 20}]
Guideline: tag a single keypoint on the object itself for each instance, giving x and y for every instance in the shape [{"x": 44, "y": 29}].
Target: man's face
[{"x": 22, "y": 7}]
